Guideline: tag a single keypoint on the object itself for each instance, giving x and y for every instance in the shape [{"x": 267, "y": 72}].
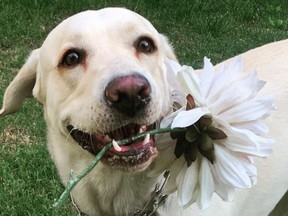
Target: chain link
[{"x": 157, "y": 199}]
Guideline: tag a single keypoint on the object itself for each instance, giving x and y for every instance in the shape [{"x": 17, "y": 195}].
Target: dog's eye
[
  {"x": 145, "y": 45},
  {"x": 72, "y": 58}
]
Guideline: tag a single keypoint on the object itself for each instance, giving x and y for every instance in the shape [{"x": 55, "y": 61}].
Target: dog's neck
[{"x": 128, "y": 192}]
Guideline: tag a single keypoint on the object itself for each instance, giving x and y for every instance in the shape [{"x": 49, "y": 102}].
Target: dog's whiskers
[{"x": 69, "y": 134}]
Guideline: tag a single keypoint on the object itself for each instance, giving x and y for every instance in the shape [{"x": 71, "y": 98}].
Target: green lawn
[{"x": 216, "y": 29}]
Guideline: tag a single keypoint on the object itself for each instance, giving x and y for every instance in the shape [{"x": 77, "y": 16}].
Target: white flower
[{"x": 226, "y": 102}]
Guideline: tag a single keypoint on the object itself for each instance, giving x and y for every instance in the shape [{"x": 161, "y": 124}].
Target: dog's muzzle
[{"x": 127, "y": 96}]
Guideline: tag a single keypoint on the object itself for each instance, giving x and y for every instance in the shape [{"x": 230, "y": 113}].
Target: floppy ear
[{"x": 21, "y": 87}]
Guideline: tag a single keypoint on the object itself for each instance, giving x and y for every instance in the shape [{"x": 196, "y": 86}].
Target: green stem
[
  {"x": 151, "y": 132},
  {"x": 74, "y": 181}
]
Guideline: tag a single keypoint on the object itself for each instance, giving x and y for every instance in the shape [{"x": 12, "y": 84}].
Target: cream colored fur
[{"x": 75, "y": 96}]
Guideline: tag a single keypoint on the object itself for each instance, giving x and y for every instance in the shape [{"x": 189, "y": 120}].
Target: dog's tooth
[
  {"x": 147, "y": 139},
  {"x": 141, "y": 130},
  {"x": 107, "y": 138},
  {"x": 116, "y": 146},
  {"x": 153, "y": 150}
]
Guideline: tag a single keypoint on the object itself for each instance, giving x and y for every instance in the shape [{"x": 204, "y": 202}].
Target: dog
[{"x": 101, "y": 76}]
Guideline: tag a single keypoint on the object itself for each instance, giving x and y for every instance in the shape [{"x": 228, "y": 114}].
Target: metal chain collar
[{"x": 157, "y": 198}]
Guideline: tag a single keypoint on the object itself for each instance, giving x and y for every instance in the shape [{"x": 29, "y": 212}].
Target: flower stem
[
  {"x": 74, "y": 181},
  {"x": 151, "y": 132}
]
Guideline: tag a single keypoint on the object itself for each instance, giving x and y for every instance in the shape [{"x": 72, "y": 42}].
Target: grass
[{"x": 216, "y": 29}]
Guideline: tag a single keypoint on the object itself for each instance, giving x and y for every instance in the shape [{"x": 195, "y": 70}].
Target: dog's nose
[{"x": 128, "y": 94}]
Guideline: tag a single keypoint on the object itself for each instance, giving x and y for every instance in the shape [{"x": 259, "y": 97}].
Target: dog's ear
[
  {"x": 168, "y": 48},
  {"x": 22, "y": 85}
]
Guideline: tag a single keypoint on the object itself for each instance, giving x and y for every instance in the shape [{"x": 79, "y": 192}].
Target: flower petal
[
  {"x": 225, "y": 191},
  {"x": 238, "y": 92},
  {"x": 244, "y": 140},
  {"x": 225, "y": 77},
  {"x": 230, "y": 169},
  {"x": 187, "y": 181},
  {"x": 206, "y": 77},
  {"x": 167, "y": 120},
  {"x": 206, "y": 184},
  {"x": 249, "y": 150},
  {"x": 251, "y": 85},
  {"x": 250, "y": 169},
  {"x": 172, "y": 66},
  {"x": 178, "y": 96},
  {"x": 187, "y": 118},
  {"x": 256, "y": 126},
  {"x": 251, "y": 110},
  {"x": 190, "y": 83}
]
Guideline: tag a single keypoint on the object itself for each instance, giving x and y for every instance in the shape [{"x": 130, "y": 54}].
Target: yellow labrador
[{"x": 100, "y": 75}]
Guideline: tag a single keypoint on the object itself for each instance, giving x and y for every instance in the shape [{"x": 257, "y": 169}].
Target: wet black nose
[{"x": 128, "y": 94}]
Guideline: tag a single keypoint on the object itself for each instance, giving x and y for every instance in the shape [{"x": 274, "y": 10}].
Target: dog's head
[{"x": 100, "y": 75}]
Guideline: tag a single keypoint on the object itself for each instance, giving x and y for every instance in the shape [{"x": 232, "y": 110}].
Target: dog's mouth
[{"x": 136, "y": 155}]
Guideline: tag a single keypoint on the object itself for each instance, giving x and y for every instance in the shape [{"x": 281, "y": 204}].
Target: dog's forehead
[{"x": 104, "y": 20}]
